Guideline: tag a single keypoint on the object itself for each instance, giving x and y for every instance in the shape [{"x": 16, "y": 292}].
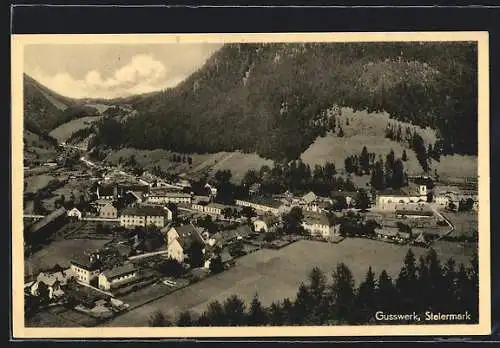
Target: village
[{"x": 158, "y": 235}]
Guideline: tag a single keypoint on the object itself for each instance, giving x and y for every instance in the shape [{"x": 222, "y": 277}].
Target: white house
[
  {"x": 265, "y": 223},
  {"x": 319, "y": 225},
  {"x": 180, "y": 239},
  {"x": 75, "y": 213},
  {"x": 262, "y": 204},
  {"x": 117, "y": 276},
  {"x": 145, "y": 215},
  {"x": 162, "y": 196},
  {"x": 210, "y": 209},
  {"x": 86, "y": 269}
]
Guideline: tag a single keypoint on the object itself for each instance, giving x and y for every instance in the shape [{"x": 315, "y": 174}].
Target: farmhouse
[
  {"x": 162, "y": 196},
  {"x": 54, "y": 281},
  {"x": 144, "y": 216},
  {"x": 262, "y": 204},
  {"x": 266, "y": 223},
  {"x": 180, "y": 239},
  {"x": 85, "y": 269},
  {"x": 319, "y": 225},
  {"x": 117, "y": 276},
  {"x": 75, "y": 213},
  {"x": 108, "y": 211}
]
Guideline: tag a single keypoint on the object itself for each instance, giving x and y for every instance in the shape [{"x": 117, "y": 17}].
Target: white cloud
[{"x": 142, "y": 74}]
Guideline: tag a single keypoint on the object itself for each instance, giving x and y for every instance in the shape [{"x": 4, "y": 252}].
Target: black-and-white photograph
[{"x": 250, "y": 184}]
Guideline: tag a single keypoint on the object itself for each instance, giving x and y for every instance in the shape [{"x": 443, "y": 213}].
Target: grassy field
[
  {"x": 37, "y": 182},
  {"x": 276, "y": 274},
  {"x": 60, "y": 317},
  {"x": 237, "y": 162},
  {"x": 465, "y": 223},
  {"x": 59, "y": 252},
  {"x": 64, "y": 131},
  {"x": 368, "y": 129}
]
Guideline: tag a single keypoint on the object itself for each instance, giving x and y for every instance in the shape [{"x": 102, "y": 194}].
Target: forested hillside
[{"x": 271, "y": 98}]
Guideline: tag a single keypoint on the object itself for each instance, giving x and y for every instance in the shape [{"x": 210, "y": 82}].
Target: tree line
[
  {"x": 297, "y": 177},
  {"x": 422, "y": 285}
]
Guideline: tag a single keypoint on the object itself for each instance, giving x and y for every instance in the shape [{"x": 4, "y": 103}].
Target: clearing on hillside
[
  {"x": 368, "y": 129},
  {"x": 64, "y": 131}
]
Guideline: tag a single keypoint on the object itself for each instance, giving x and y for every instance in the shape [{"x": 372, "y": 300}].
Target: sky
[{"x": 113, "y": 70}]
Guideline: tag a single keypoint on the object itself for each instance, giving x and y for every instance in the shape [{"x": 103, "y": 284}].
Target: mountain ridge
[{"x": 271, "y": 98}]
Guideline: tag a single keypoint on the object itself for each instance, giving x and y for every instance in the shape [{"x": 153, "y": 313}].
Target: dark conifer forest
[{"x": 271, "y": 98}]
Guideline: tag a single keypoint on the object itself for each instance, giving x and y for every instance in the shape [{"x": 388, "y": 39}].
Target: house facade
[
  {"x": 388, "y": 200},
  {"x": 318, "y": 225},
  {"x": 210, "y": 209},
  {"x": 85, "y": 270},
  {"x": 164, "y": 196},
  {"x": 117, "y": 276},
  {"x": 180, "y": 238},
  {"x": 142, "y": 216},
  {"x": 262, "y": 205},
  {"x": 108, "y": 211}
]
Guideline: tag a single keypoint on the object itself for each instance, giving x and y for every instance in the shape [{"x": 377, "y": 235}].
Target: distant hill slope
[
  {"x": 270, "y": 98},
  {"x": 44, "y": 109}
]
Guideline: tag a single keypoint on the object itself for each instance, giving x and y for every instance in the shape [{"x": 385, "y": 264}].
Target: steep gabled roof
[
  {"x": 188, "y": 234},
  {"x": 309, "y": 197},
  {"x": 118, "y": 271}
]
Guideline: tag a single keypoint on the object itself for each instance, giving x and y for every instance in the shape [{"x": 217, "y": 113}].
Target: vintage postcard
[{"x": 220, "y": 185}]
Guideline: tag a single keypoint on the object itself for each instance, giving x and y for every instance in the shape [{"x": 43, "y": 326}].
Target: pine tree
[
  {"x": 276, "y": 314},
  {"x": 386, "y": 296},
  {"x": 185, "y": 319},
  {"x": 216, "y": 315},
  {"x": 234, "y": 311},
  {"x": 340, "y": 134},
  {"x": 365, "y": 298},
  {"x": 407, "y": 282},
  {"x": 398, "y": 178},
  {"x": 342, "y": 292},
  {"x": 364, "y": 159},
  {"x": 302, "y": 306},
  {"x": 319, "y": 301},
  {"x": 377, "y": 180},
  {"x": 448, "y": 285},
  {"x": 348, "y": 164},
  {"x": 404, "y": 157},
  {"x": 158, "y": 319},
  {"x": 257, "y": 316}
]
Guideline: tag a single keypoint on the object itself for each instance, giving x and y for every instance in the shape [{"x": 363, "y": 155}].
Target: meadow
[
  {"x": 368, "y": 129},
  {"x": 64, "y": 131},
  {"x": 277, "y": 274},
  {"x": 59, "y": 253}
]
